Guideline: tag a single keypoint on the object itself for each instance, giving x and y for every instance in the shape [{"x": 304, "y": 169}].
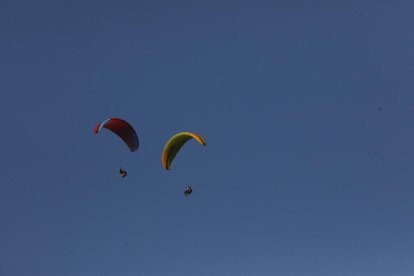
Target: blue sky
[{"x": 307, "y": 108}]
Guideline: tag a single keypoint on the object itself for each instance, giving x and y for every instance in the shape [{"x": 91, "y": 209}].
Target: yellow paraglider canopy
[{"x": 174, "y": 145}]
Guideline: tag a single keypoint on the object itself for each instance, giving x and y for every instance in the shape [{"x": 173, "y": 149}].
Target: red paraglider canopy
[{"x": 121, "y": 128}]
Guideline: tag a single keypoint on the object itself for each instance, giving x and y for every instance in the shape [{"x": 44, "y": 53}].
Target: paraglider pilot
[
  {"x": 188, "y": 191},
  {"x": 122, "y": 172}
]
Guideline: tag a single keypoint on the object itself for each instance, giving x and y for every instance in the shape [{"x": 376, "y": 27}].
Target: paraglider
[
  {"x": 174, "y": 145},
  {"x": 188, "y": 191},
  {"x": 123, "y": 172},
  {"x": 121, "y": 128},
  {"x": 124, "y": 131}
]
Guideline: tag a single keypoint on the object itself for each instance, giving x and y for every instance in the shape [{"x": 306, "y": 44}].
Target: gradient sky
[{"x": 307, "y": 108}]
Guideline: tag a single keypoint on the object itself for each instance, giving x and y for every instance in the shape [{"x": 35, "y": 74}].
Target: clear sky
[{"x": 307, "y": 108}]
